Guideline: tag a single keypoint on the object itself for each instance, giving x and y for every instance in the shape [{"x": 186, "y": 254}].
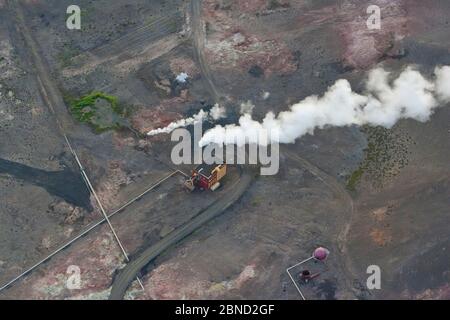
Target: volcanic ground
[{"x": 372, "y": 196}]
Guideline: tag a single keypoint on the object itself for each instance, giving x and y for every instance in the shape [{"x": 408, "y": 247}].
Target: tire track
[
  {"x": 198, "y": 39},
  {"x": 132, "y": 269},
  {"x": 53, "y": 99},
  {"x": 133, "y": 43},
  {"x": 138, "y": 38}
]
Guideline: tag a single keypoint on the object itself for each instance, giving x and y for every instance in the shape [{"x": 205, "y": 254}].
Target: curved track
[{"x": 129, "y": 273}]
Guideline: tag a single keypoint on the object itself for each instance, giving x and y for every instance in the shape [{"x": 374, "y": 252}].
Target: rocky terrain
[{"x": 373, "y": 196}]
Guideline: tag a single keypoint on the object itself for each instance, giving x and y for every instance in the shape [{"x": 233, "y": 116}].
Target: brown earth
[{"x": 396, "y": 219}]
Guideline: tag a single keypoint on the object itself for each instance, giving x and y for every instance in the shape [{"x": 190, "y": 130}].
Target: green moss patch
[{"x": 99, "y": 110}]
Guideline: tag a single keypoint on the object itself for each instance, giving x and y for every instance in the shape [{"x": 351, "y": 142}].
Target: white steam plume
[
  {"x": 217, "y": 112},
  {"x": 200, "y": 116},
  {"x": 385, "y": 102},
  {"x": 247, "y": 107},
  {"x": 443, "y": 83}
]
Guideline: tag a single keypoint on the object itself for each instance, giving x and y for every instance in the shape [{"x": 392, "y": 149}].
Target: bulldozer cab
[{"x": 189, "y": 184}]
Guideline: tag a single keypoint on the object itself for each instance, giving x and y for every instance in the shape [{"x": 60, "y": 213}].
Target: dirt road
[
  {"x": 198, "y": 39},
  {"x": 50, "y": 92},
  {"x": 130, "y": 271},
  {"x": 125, "y": 277},
  {"x": 52, "y": 97}
]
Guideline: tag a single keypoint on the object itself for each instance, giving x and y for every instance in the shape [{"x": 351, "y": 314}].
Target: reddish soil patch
[
  {"x": 184, "y": 64},
  {"x": 441, "y": 293},
  {"x": 380, "y": 237},
  {"x": 230, "y": 44},
  {"x": 173, "y": 281},
  {"x": 96, "y": 270},
  {"x": 362, "y": 46},
  {"x": 160, "y": 116}
]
